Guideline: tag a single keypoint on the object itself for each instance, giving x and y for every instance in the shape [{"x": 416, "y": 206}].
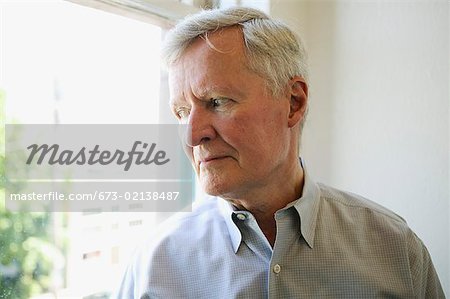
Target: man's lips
[{"x": 210, "y": 159}]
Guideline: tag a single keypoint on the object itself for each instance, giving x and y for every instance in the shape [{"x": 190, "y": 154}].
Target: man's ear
[{"x": 298, "y": 100}]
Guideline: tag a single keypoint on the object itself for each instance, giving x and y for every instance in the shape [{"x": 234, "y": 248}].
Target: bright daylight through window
[{"x": 63, "y": 63}]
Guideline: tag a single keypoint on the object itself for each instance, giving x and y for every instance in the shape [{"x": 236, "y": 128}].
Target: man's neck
[{"x": 265, "y": 202}]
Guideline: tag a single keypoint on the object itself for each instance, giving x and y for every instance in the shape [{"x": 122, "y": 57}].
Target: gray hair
[{"x": 273, "y": 50}]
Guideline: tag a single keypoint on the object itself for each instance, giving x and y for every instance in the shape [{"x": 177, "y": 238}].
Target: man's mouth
[{"x": 211, "y": 159}]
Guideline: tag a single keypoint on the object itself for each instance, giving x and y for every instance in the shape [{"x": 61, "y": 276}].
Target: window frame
[{"x": 163, "y": 13}]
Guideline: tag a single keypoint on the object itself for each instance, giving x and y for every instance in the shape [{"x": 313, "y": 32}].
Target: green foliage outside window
[{"x": 27, "y": 253}]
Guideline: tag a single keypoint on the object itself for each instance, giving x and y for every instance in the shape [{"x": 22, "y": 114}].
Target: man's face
[{"x": 240, "y": 135}]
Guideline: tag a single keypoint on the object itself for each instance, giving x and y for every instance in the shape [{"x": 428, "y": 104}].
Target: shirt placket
[{"x": 287, "y": 231}]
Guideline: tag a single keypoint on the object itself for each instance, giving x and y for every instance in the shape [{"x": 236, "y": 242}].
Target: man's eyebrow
[
  {"x": 218, "y": 90},
  {"x": 207, "y": 93}
]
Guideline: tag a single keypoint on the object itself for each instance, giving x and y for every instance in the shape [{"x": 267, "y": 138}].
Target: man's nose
[{"x": 201, "y": 127}]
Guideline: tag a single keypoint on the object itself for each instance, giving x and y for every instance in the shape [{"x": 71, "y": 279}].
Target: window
[{"x": 66, "y": 63}]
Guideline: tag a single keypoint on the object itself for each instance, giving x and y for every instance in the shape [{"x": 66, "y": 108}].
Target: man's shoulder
[
  {"x": 357, "y": 224},
  {"x": 358, "y": 208},
  {"x": 184, "y": 228},
  {"x": 204, "y": 210},
  {"x": 179, "y": 246}
]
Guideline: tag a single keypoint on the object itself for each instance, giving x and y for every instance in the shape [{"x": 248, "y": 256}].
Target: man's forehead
[
  {"x": 224, "y": 43},
  {"x": 210, "y": 66},
  {"x": 221, "y": 50},
  {"x": 225, "y": 40}
]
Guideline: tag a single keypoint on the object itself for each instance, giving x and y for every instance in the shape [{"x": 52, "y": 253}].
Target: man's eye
[{"x": 218, "y": 102}]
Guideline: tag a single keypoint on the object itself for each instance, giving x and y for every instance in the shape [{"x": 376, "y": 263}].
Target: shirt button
[
  {"x": 241, "y": 216},
  {"x": 277, "y": 269}
]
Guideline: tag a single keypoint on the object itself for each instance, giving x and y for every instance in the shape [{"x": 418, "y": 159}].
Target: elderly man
[{"x": 240, "y": 80}]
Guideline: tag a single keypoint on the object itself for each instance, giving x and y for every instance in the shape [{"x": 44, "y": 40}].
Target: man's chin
[
  {"x": 213, "y": 191},
  {"x": 216, "y": 189}
]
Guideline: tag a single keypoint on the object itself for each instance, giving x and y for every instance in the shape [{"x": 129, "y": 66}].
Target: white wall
[{"x": 379, "y": 107}]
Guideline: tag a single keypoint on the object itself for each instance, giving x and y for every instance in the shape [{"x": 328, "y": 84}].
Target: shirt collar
[
  {"x": 307, "y": 207},
  {"x": 226, "y": 210}
]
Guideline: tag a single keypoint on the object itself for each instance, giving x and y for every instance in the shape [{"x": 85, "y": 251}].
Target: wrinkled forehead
[
  {"x": 216, "y": 53},
  {"x": 214, "y": 63}
]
